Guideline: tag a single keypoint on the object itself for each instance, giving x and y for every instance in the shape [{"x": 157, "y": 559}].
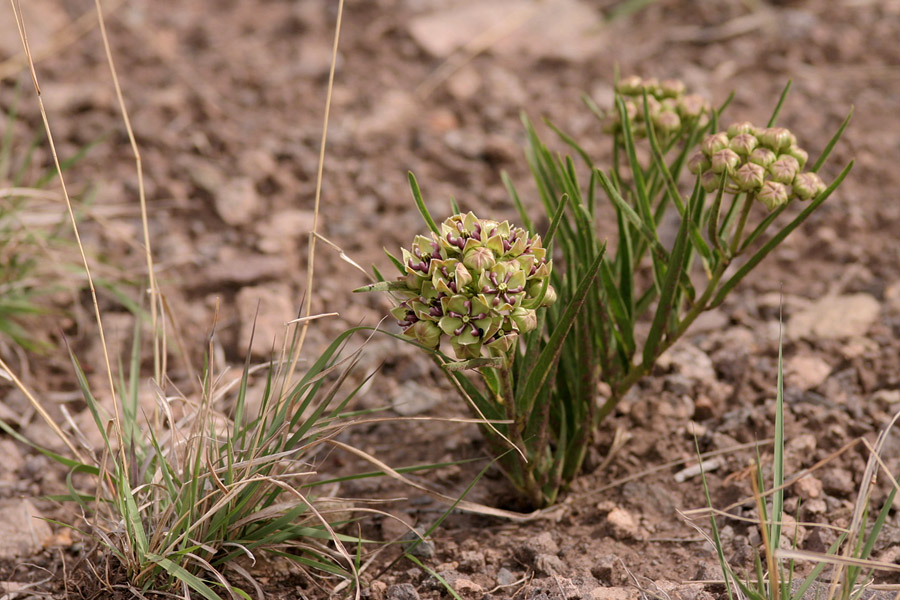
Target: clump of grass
[
  {"x": 181, "y": 499},
  {"x": 774, "y": 572}
]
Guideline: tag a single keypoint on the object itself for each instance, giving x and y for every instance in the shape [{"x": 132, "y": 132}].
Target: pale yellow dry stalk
[
  {"x": 20, "y": 25},
  {"x": 311, "y": 254}
]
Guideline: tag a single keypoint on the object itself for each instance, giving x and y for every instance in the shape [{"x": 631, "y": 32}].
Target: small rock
[
  {"x": 12, "y": 460},
  {"x": 464, "y": 84},
  {"x": 808, "y": 487},
  {"x": 623, "y": 525},
  {"x": 377, "y": 590},
  {"x": 803, "y": 445},
  {"x": 506, "y": 577},
  {"x": 838, "y": 482},
  {"x": 281, "y": 231},
  {"x": 806, "y": 371},
  {"x": 471, "y": 561},
  {"x": 615, "y": 593},
  {"x": 531, "y": 548},
  {"x": 548, "y": 564},
  {"x": 22, "y": 531},
  {"x": 688, "y": 361},
  {"x": 425, "y": 547},
  {"x": 266, "y": 328},
  {"x": 402, "y": 591},
  {"x": 233, "y": 266},
  {"x": 835, "y": 317},
  {"x": 413, "y": 398},
  {"x": 237, "y": 201},
  {"x": 892, "y": 297},
  {"x": 467, "y": 587}
]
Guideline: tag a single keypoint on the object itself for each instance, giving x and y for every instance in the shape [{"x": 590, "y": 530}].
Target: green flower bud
[
  {"x": 749, "y": 177},
  {"x": 808, "y": 185},
  {"x": 524, "y": 319},
  {"x": 725, "y": 160},
  {"x": 667, "y": 122},
  {"x": 714, "y": 143},
  {"x": 500, "y": 345},
  {"x": 692, "y": 106},
  {"x": 630, "y": 86},
  {"x": 799, "y": 153},
  {"x": 773, "y": 194},
  {"x": 784, "y": 169},
  {"x": 698, "y": 163},
  {"x": 710, "y": 181},
  {"x": 744, "y": 143},
  {"x": 479, "y": 259},
  {"x": 426, "y": 333},
  {"x": 777, "y": 138},
  {"x": 549, "y": 296},
  {"x": 671, "y": 88},
  {"x": 651, "y": 84},
  {"x": 742, "y": 127},
  {"x": 762, "y": 157}
]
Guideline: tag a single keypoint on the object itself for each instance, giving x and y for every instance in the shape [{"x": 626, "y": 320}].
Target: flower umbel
[
  {"x": 764, "y": 161},
  {"x": 478, "y": 283}
]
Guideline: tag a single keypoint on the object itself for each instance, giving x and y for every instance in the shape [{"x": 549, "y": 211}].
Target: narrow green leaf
[
  {"x": 667, "y": 295},
  {"x": 550, "y": 353},
  {"x": 831, "y": 143},
  {"x": 420, "y": 204},
  {"x": 383, "y": 286},
  {"x": 475, "y": 363},
  {"x": 778, "y": 106},
  {"x": 182, "y": 574}
]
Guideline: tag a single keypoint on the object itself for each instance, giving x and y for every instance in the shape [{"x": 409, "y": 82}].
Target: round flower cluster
[
  {"x": 670, "y": 109},
  {"x": 478, "y": 282},
  {"x": 765, "y": 161}
]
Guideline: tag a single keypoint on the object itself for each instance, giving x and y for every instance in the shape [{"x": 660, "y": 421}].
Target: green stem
[
  {"x": 529, "y": 485},
  {"x": 745, "y": 212},
  {"x": 620, "y": 388}
]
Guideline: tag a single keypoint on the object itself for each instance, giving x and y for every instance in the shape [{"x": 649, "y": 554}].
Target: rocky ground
[{"x": 227, "y": 98}]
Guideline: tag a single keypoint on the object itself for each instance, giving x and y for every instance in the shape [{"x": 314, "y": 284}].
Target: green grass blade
[
  {"x": 780, "y": 103},
  {"x": 831, "y": 143},
  {"x": 550, "y": 353},
  {"x": 420, "y": 204}
]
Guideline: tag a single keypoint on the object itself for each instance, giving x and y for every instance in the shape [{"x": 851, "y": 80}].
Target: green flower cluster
[
  {"x": 478, "y": 282},
  {"x": 765, "y": 161},
  {"x": 671, "y": 110}
]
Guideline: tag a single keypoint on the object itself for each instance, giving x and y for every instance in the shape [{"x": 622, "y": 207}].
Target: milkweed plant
[{"x": 544, "y": 354}]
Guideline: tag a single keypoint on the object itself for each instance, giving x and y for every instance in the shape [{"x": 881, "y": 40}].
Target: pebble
[
  {"x": 531, "y": 548},
  {"x": 806, "y": 371},
  {"x": 425, "y": 547},
  {"x": 402, "y": 591},
  {"x": 282, "y": 230},
  {"x": 623, "y": 524},
  {"x": 689, "y": 361},
  {"x": 234, "y": 266},
  {"x": 22, "y": 531},
  {"x": 548, "y": 564},
  {"x": 808, "y": 487},
  {"x": 835, "y": 317},
  {"x": 615, "y": 593},
  {"x": 838, "y": 482},
  {"x": 237, "y": 201},
  {"x": 506, "y": 577}
]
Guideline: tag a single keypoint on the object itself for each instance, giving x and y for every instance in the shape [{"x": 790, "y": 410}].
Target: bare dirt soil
[{"x": 227, "y": 98}]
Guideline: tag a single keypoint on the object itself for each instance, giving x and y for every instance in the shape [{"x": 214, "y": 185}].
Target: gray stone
[
  {"x": 237, "y": 201},
  {"x": 22, "y": 531},
  {"x": 835, "y": 317},
  {"x": 413, "y": 398},
  {"x": 402, "y": 591}
]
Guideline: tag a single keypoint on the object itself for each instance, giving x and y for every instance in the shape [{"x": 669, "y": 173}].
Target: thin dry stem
[
  {"x": 20, "y": 24},
  {"x": 154, "y": 293},
  {"x": 311, "y": 254},
  {"x": 40, "y": 409}
]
